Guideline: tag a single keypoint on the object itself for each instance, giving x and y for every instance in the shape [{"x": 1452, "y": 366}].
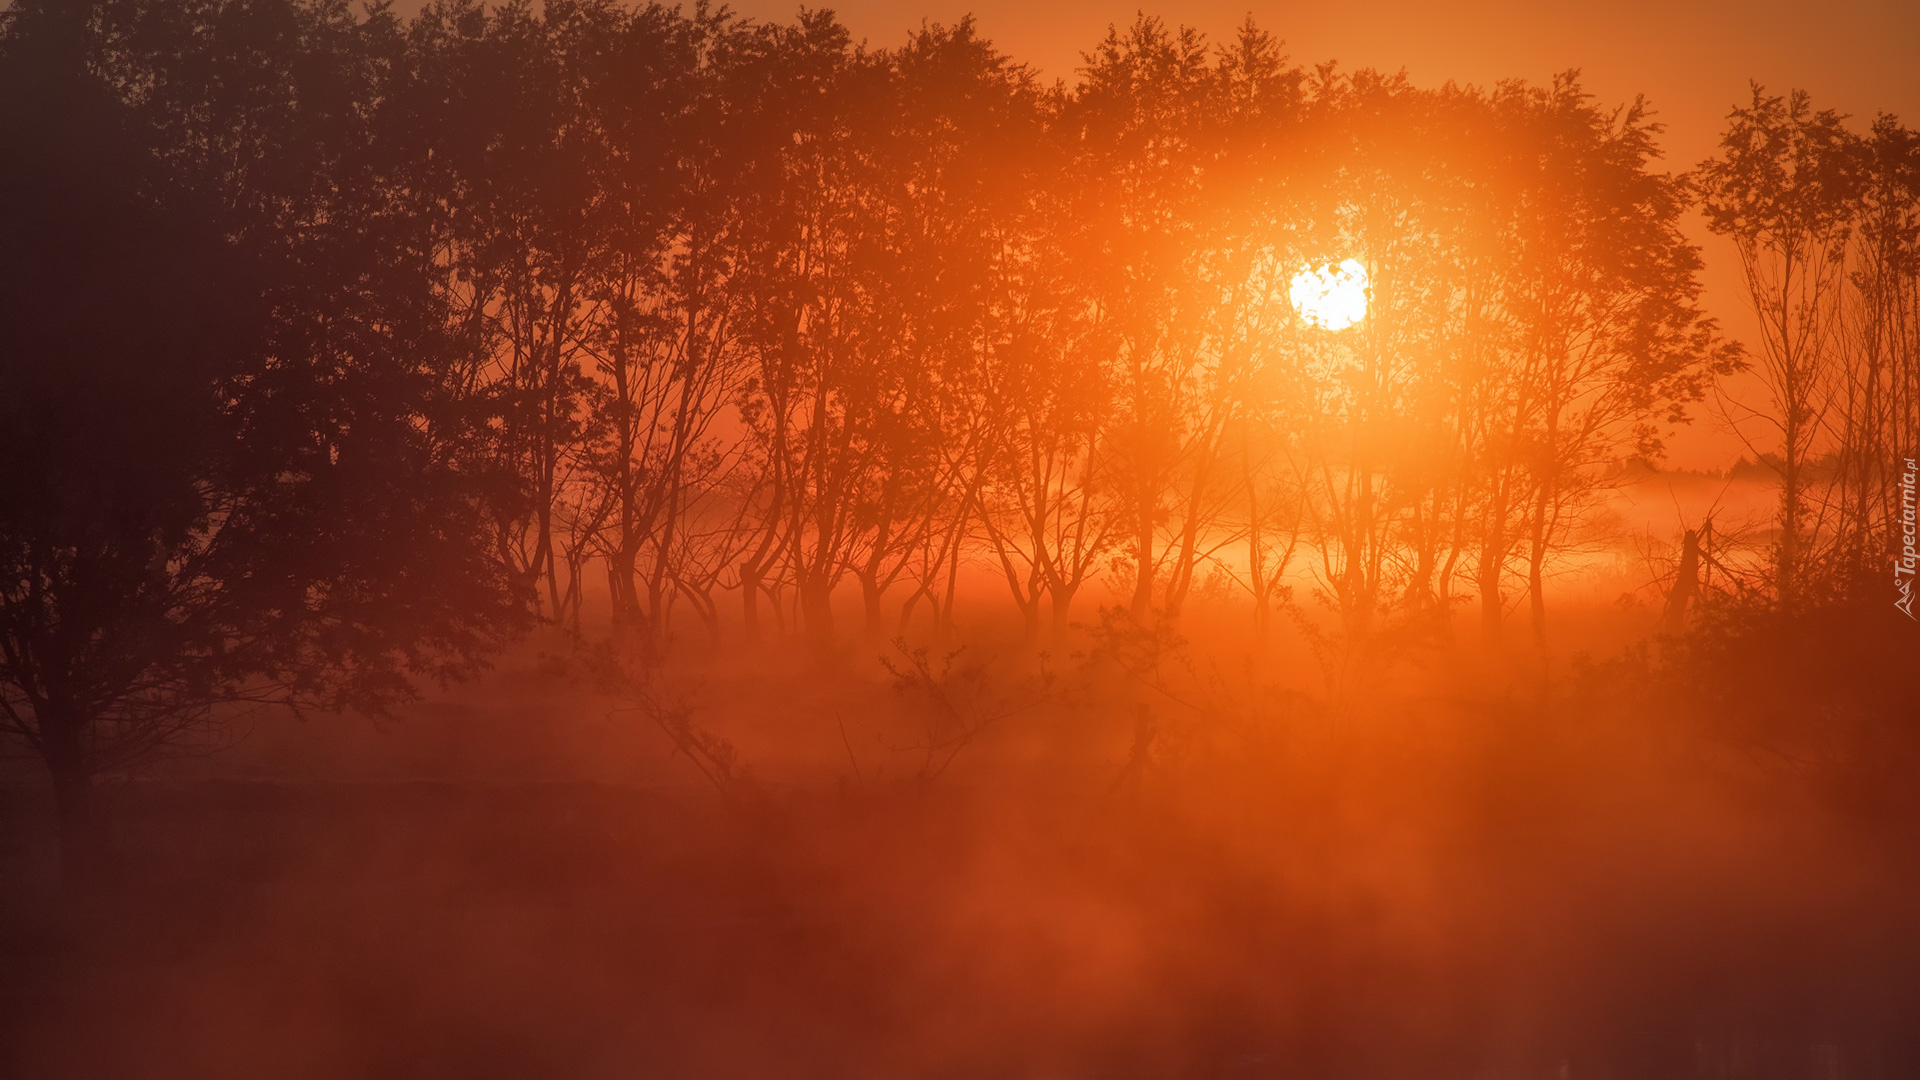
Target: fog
[
  {"x": 589, "y": 539},
  {"x": 1476, "y": 865}
]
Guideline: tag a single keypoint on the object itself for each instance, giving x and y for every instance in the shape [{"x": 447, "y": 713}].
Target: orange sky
[{"x": 1691, "y": 59}]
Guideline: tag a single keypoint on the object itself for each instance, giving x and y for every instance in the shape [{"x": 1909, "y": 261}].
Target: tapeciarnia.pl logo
[{"x": 1903, "y": 567}]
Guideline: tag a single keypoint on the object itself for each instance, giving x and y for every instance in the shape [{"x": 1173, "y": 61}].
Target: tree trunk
[
  {"x": 701, "y": 597},
  {"x": 750, "y": 603},
  {"x": 626, "y": 604},
  {"x": 816, "y": 607},
  {"x": 1536, "y": 569},
  {"x": 1030, "y": 625},
  {"x": 1419, "y": 594},
  {"x": 943, "y": 624},
  {"x": 1787, "y": 572},
  {"x": 1445, "y": 588},
  {"x": 83, "y": 847},
  {"x": 870, "y": 596},
  {"x": 1143, "y": 568},
  {"x": 1493, "y": 563},
  {"x": 1685, "y": 585},
  {"x": 1062, "y": 609},
  {"x": 1491, "y": 606}
]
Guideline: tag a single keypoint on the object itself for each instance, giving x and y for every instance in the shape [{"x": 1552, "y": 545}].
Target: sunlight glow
[{"x": 1333, "y": 297}]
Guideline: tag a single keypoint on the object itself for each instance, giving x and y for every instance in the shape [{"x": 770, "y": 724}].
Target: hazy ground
[{"x": 1474, "y": 870}]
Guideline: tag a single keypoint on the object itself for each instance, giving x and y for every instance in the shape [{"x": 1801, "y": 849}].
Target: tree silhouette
[
  {"x": 221, "y": 478},
  {"x": 1783, "y": 191},
  {"x": 708, "y": 304}
]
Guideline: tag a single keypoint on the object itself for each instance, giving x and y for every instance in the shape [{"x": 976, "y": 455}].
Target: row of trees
[
  {"x": 1826, "y": 222},
  {"x": 337, "y": 342},
  {"x": 747, "y": 309},
  {"x": 1802, "y": 654}
]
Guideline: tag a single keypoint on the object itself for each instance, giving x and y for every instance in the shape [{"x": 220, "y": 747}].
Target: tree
[
  {"x": 221, "y": 480},
  {"x": 1783, "y": 191},
  {"x": 665, "y": 358},
  {"x": 1602, "y": 289},
  {"x": 1160, "y": 269},
  {"x": 1370, "y": 398},
  {"x": 1044, "y": 503},
  {"x": 951, "y": 150},
  {"x": 1880, "y": 391}
]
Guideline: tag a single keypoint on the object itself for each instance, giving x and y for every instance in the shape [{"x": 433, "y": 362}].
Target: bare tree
[{"x": 1783, "y": 191}]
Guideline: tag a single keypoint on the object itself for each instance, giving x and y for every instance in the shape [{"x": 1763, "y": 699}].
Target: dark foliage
[{"x": 224, "y": 479}]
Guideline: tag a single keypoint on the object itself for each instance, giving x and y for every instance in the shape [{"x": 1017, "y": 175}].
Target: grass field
[{"x": 1442, "y": 887}]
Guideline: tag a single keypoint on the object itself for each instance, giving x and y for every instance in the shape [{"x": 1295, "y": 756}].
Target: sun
[{"x": 1333, "y": 297}]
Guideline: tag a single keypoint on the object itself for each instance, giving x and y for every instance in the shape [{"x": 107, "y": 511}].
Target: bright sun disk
[{"x": 1332, "y": 297}]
